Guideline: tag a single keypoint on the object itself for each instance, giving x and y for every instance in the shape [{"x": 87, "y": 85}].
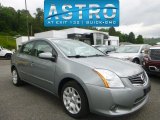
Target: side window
[
  {"x": 27, "y": 48},
  {"x": 42, "y": 47}
]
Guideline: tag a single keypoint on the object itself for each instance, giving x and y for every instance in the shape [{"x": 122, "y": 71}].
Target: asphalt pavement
[{"x": 31, "y": 103}]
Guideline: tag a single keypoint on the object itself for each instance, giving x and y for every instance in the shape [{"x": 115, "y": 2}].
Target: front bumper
[
  {"x": 154, "y": 70},
  {"x": 117, "y": 102}
]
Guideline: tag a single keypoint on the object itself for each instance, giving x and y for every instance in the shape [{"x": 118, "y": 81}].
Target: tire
[
  {"x": 74, "y": 100},
  {"x": 136, "y": 61},
  {"x": 15, "y": 78},
  {"x": 8, "y": 56}
]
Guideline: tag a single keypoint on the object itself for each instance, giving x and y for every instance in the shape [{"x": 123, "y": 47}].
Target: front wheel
[
  {"x": 74, "y": 100},
  {"x": 136, "y": 61}
]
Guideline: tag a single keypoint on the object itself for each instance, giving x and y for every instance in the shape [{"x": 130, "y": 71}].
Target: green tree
[
  {"x": 131, "y": 38},
  {"x": 140, "y": 39},
  {"x": 104, "y": 30},
  {"x": 123, "y": 38},
  {"x": 13, "y": 22},
  {"x": 112, "y": 31},
  {"x": 37, "y": 23}
]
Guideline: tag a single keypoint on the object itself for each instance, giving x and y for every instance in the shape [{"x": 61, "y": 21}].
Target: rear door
[{"x": 24, "y": 61}]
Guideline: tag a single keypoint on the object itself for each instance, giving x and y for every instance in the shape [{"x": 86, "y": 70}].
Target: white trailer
[
  {"x": 92, "y": 37},
  {"x": 21, "y": 40},
  {"x": 112, "y": 40}
]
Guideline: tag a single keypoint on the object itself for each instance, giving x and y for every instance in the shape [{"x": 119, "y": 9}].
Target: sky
[{"x": 138, "y": 16}]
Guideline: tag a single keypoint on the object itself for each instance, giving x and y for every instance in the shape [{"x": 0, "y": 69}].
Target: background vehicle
[
  {"x": 152, "y": 60},
  {"x": 5, "y": 53},
  {"x": 106, "y": 49},
  {"x": 84, "y": 78},
  {"x": 134, "y": 53}
]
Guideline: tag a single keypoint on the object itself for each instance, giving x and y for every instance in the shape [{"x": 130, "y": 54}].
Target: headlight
[{"x": 110, "y": 79}]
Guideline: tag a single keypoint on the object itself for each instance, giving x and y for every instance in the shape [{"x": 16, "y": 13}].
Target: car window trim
[
  {"x": 26, "y": 44},
  {"x": 36, "y": 41}
]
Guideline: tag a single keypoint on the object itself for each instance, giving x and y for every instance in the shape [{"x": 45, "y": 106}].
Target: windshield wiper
[
  {"x": 77, "y": 56},
  {"x": 96, "y": 55}
]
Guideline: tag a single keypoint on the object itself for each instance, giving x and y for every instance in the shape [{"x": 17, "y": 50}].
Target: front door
[{"x": 43, "y": 70}]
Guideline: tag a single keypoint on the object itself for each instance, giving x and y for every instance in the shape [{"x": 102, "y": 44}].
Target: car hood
[
  {"x": 123, "y": 55},
  {"x": 120, "y": 67}
]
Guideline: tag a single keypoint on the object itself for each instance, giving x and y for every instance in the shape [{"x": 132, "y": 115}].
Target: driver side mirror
[
  {"x": 143, "y": 51},
  {"x": 47, "y": 56},
  {"x": 106, "y": 52}
]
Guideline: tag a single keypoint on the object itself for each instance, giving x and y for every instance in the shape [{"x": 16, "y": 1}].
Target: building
[
  {"x": 91, "y": 37},
  {"x": 158, "y": 43},
  {"x": 21, "y": 40}
]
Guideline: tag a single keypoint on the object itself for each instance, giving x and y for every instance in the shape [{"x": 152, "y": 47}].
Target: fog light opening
[{"x": 153, "y": 68}]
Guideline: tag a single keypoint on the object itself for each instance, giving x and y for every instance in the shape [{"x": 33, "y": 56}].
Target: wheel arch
[
  {"x": 64, "y": 81},
  {"x": 8, "y": 54},
  {"x": 12, "y": 67},
  {"x": 136, "y": 58},
  {"x": 67, "y": 79}
]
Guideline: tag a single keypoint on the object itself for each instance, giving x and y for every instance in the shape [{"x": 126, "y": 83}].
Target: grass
[{"x": 8, "y": 42}]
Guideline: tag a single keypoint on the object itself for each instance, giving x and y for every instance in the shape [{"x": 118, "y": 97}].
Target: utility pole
[
  {"x": 31, "y": 30},
  {"x": 27, "y": 20}
]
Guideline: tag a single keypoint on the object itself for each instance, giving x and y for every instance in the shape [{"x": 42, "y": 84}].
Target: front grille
[{"x": 138, "y": 79}]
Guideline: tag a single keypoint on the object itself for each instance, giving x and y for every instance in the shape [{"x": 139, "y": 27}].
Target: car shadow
[
  {"x": 49, "y": 97},
  {"x": 155, "y": 78}
]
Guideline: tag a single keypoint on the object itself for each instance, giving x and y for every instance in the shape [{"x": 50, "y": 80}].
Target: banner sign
[{"x": 98, "y": 13}]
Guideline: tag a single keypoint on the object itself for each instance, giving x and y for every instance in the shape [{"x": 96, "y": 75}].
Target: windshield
[
  {"x": 128, "y": 49},
  {"x": 154, "y": 54},
  {"x": 102, "y": 48},
  {"x": 73, "y": 48},
  {"x": 108, "y": 48}
]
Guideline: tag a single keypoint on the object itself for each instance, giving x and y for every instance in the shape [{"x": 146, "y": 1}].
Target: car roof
[
  {"x": 48, "y": 39},
  {"x": 58, "y": 39},
  {"x": 136, "y": 45}
]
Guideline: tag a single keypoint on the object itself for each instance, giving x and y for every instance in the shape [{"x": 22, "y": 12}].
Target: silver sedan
[
  {"x": 134, "y": 53},
  {"x": 85, "y": 79}
]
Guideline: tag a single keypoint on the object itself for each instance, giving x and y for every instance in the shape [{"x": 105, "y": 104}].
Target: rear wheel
[
  {"x": 15, "y": 78},
  {"x": 74, "y": 100}
]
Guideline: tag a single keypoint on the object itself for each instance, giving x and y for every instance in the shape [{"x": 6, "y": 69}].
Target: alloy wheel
[
  {"x": 72, "y": 100},
  {"x": 14, "y": 77}
]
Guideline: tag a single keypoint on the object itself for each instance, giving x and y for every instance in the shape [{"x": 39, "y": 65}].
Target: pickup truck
[
  {"x": 152, "y": 61},
  {"x": 5, "y": 53}
]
